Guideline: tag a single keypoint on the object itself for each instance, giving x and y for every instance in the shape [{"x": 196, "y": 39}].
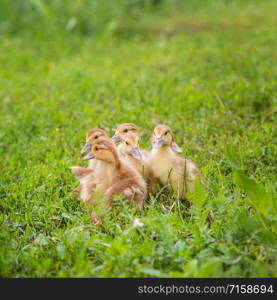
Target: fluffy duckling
[
  {"x": 130, "y": 151},
  {"x": 123, "y": 129},
  {"x": 141, "y": 164},
  {"x": 92, "y": 136},
  {"x": 127, "y": 128},
  {"x": 85, "y": 175},
  {"x": 120, "y": 178},
  {"x": 96, "y": 171},
  {"x": 179, "y": 173}
]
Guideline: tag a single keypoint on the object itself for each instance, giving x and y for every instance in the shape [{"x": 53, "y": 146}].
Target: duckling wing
[
  {"x": 131, "y": 192},
  {"x": 128, "y": 183},
  {"x": 186, "y": 167},
  {"x": 86, "y": 178},
  {"x": 81, "y": 172}
]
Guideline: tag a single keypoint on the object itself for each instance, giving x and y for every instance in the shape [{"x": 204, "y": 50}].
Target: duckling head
[
  {"x": 163, "y": 137},
  {"x": 92, "y": 136},
  {"x": 130, "y": 145},
  {"x": 103, "y": 149},
  {"x": 124, "y": 129}
]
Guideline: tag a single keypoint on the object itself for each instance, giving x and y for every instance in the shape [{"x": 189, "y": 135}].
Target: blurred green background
[{"x": 128, "y": 17}]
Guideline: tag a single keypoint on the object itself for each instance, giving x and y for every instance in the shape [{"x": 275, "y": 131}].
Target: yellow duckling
[
  {"x": 120, "y": 179},
  {"x": 130, "y": 152},
  {"x": 128, "y": 128},
  {"x": 176, "y": 172},
  {"x": 123, "y": 129}
]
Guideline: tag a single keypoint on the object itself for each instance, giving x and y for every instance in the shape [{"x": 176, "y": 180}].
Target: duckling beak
[
  {"x": 136, "y": 153},
  {"x": 116, "y": 138},
  {"x": 159, "y": 142},
  {"x": 86, "y": 147},
  {"x": 89, "y": 156}
]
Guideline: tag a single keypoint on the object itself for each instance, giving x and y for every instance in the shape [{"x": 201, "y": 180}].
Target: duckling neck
[
  {"x": 165, "y": 151},
  {"x": 117, "y": 162}
]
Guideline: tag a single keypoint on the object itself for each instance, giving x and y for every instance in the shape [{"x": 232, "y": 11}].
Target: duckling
[
  {"x": 127, "y": 128},
  {"x": 85, "y": 175},
  {"x": 120, "y": 178},
  {"x": 179, "y": 173},
  {"x": 96, "y": 170},
  {"x": 92, "y": 136},
  {"x": 130, "y": 152},
  {"x": 123, "y": 129},
  {"x": 140, "y": 164}
]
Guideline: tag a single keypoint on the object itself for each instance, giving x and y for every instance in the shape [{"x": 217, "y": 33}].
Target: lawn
[{"x": 208, "y": 70}]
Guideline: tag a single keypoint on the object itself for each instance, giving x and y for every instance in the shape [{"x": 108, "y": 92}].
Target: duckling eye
[
  {"x": 125, "y": 130},
  {"x": 166, "y": 132},
  {"x": 96, "y": 137},
  {"x": 96, "y": 148},
  {"x": 126, "y": 143}
]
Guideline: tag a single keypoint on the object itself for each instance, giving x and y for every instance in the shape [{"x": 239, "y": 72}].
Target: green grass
[{"x": 208, "y": 71}]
